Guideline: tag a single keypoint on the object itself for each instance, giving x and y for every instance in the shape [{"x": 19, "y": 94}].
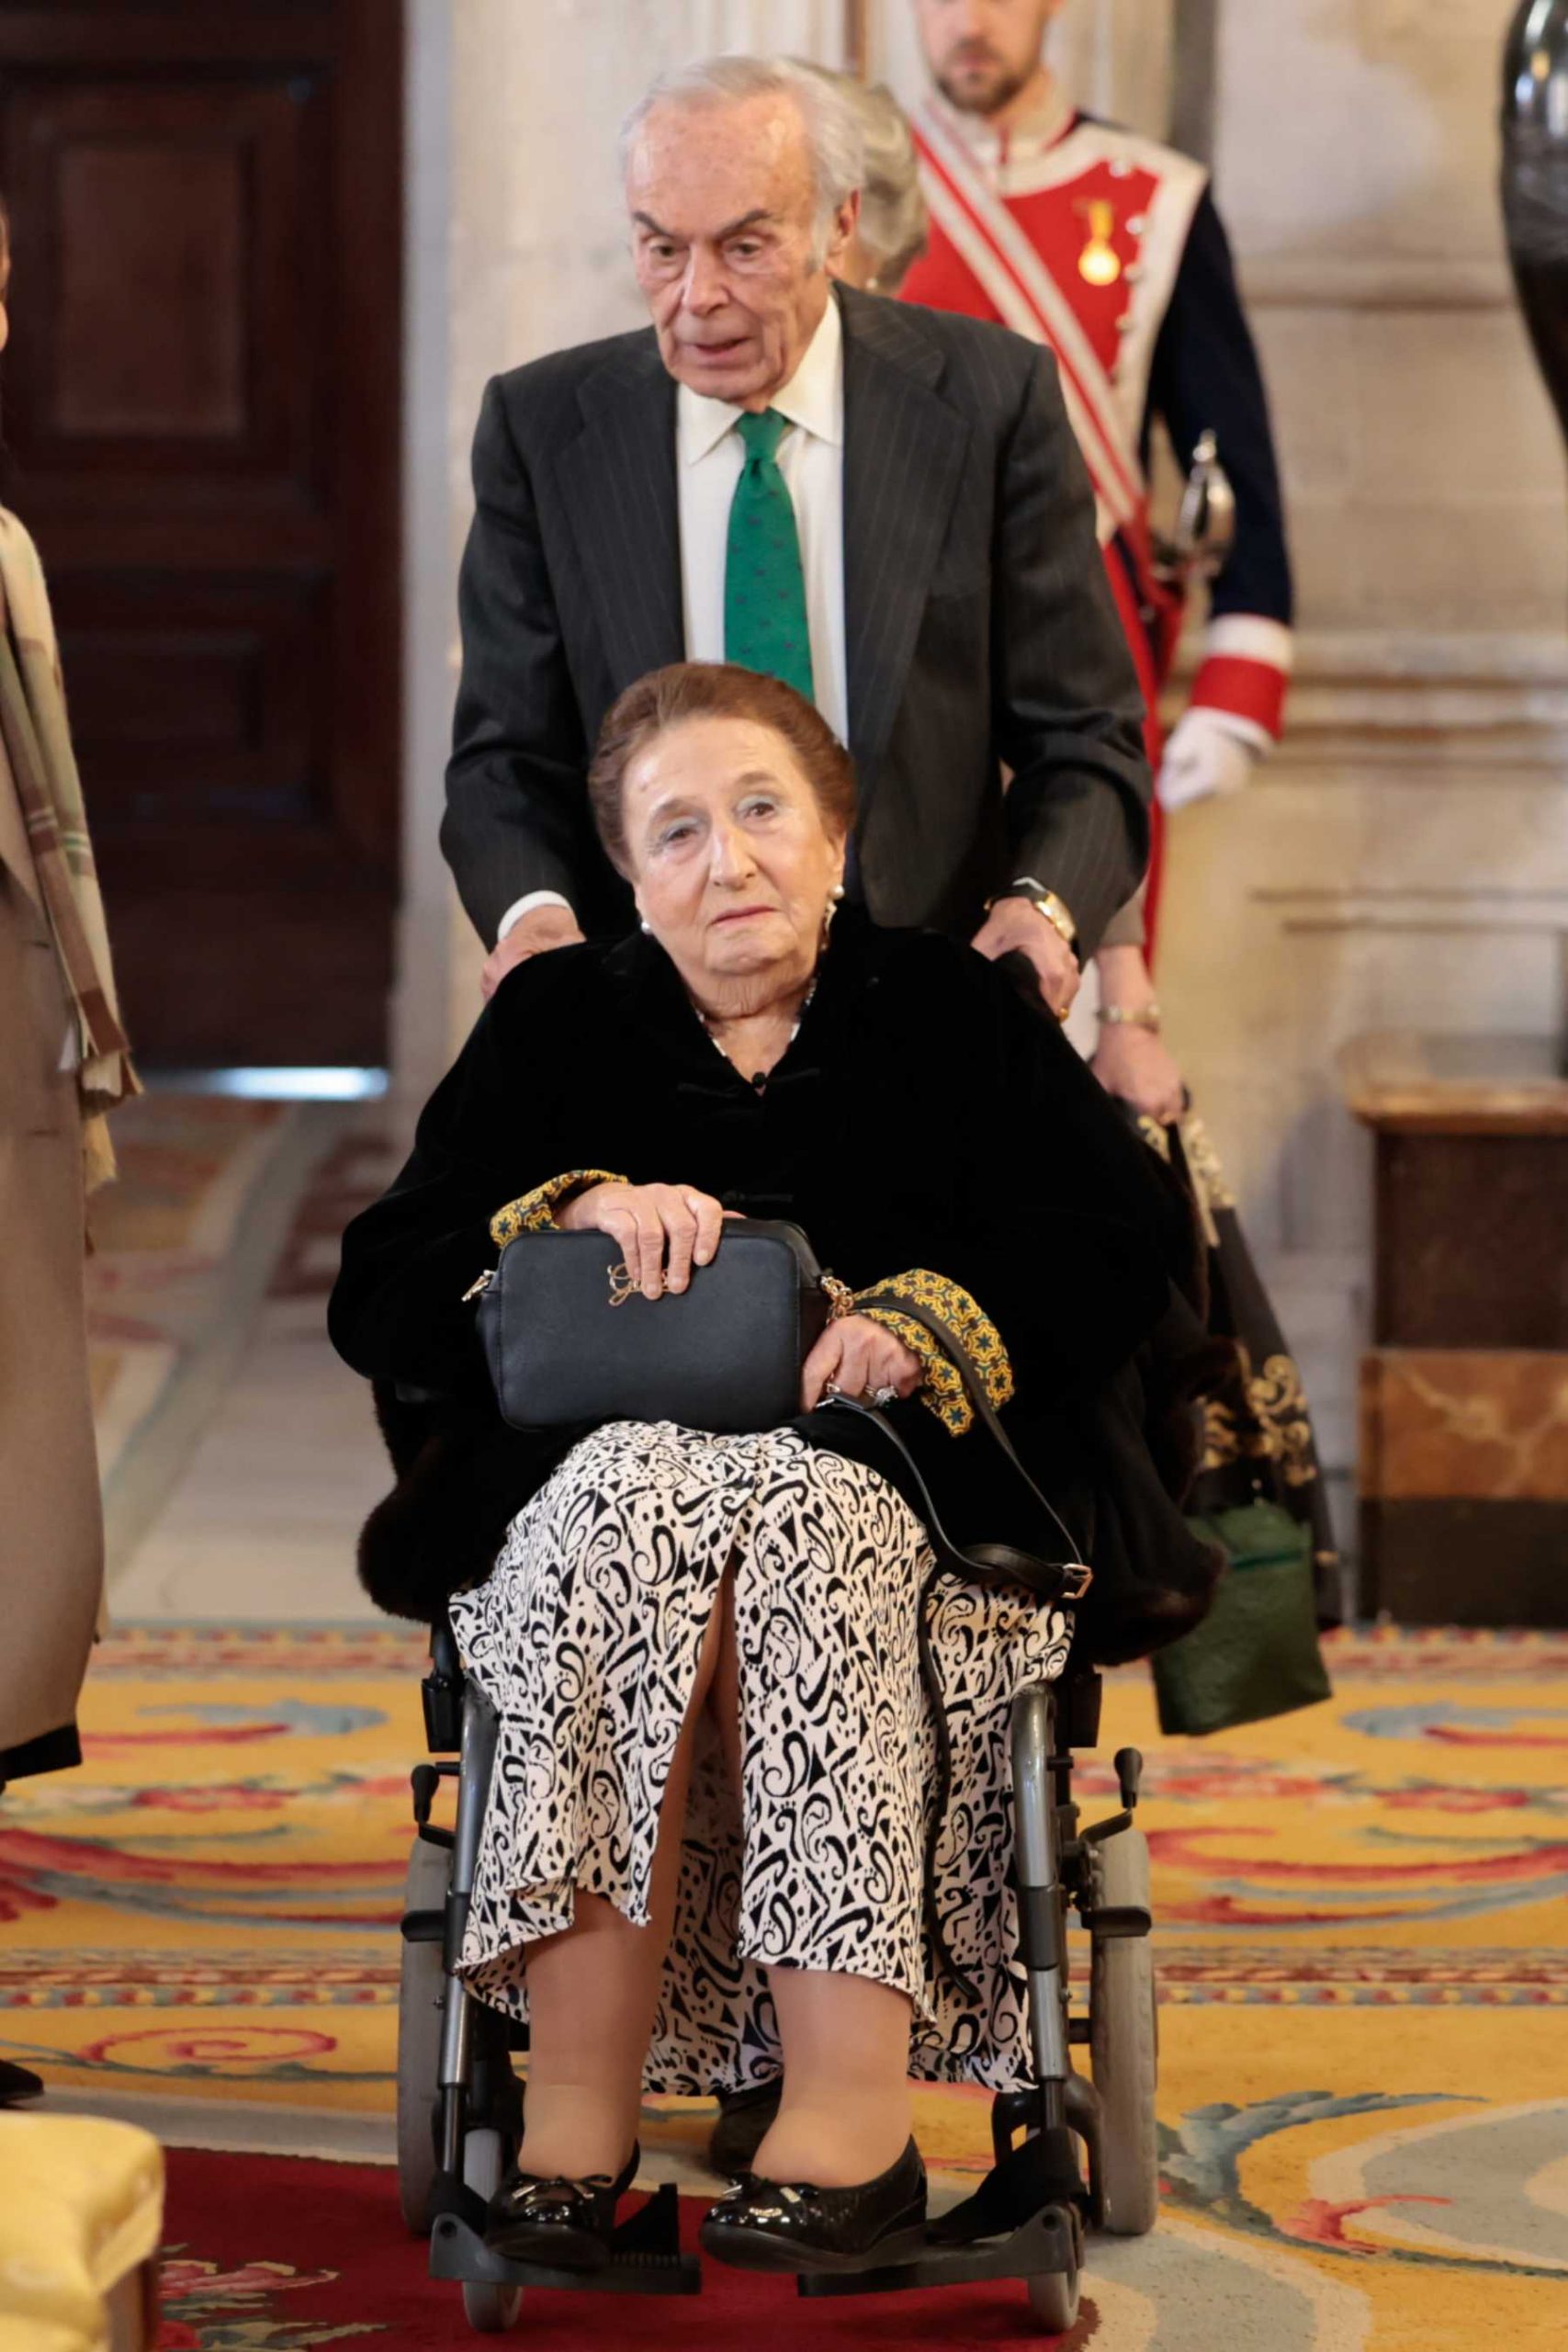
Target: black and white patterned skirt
[{"x": 586, "y": 1640}]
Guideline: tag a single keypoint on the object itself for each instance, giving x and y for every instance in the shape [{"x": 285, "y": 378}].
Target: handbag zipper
[{"x": 474, "y": 1289}]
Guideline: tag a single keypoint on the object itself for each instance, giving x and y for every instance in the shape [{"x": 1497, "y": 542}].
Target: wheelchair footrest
[
  {"x": 645, "y": 2257},
  {"x": 1048, "y": 2240}
]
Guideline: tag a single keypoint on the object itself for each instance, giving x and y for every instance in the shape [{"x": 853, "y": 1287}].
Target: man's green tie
[{"x": 764, "y": 588}]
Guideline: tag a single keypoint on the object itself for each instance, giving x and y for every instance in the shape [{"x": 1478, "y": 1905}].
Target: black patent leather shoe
[
  {"x": 774, "y": 2225},
  {"x": 560, "y": 2224},
  {"x": 745, "y": 2118}
]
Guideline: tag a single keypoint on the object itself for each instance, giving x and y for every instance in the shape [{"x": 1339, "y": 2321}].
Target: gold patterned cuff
[
  {"x": 943, "y": 1392},
  {"x": 534, "y": 1212}
]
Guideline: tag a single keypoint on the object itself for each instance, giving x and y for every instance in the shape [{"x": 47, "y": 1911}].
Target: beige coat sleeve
[{"x": 1126, "y": 927}]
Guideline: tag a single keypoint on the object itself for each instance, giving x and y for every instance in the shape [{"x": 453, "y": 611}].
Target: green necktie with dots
[{"x": 764, "y": 587}]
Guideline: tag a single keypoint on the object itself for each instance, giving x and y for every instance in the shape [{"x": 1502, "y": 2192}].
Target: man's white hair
[{"x": 833, "y": 133}]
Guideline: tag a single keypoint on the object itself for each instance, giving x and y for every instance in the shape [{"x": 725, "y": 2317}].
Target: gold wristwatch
[{"x": 1056, "y": 912}]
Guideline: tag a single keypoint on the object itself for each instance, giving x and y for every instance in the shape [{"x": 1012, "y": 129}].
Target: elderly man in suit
[{"x": 883, "y": 505}]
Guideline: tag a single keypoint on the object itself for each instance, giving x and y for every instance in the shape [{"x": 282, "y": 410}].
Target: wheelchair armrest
[{"x": 444, "y": 1648}]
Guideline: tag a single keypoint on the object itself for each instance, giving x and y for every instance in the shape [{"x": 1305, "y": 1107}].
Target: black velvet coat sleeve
[{"x": 397, "y": 1312}]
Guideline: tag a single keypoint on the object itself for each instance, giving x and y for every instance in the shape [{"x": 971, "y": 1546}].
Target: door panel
[
  {"x": 198, "y": 699},
  {"x": 150, "y": 227},
  {"x": 202, "y": 408}
]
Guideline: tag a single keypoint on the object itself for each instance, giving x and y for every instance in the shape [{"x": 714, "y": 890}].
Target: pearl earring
[{"x": 644, "y": 924}]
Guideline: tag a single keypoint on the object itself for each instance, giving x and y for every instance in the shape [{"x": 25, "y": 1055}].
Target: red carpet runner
[{"x": 279, "y": 2253}]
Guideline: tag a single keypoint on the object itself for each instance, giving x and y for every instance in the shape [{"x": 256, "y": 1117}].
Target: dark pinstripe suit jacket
[{"x": 980, "y": 629}]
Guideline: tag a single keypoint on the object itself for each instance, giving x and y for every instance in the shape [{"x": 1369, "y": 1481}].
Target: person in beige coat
[{"x": 63, "y": 1064}]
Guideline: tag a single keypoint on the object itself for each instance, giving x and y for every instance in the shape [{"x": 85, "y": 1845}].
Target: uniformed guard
[{"x": 1107, "y": 247}]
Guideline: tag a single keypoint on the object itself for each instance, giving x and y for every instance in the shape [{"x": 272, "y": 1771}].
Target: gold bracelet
[{"x": 1131, "y": 1016}]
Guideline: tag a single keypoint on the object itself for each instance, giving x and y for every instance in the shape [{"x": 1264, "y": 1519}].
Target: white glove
[{"x": 1205, "y": 756}]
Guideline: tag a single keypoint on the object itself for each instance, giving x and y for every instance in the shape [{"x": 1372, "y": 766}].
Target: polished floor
[{"x": 262, "y": 1523}]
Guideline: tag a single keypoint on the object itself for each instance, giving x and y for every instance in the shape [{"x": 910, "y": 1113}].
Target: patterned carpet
[{"x": 1361, "y": 1947}]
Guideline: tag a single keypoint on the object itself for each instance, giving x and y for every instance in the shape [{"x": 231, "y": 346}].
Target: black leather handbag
[{"x": 570, "y": 1337}]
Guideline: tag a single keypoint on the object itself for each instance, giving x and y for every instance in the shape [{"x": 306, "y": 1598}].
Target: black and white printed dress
[{"x": 586, "y": 1640}]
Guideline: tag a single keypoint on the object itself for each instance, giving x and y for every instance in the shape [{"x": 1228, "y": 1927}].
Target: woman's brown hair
[{"x": 684, "y": 690}]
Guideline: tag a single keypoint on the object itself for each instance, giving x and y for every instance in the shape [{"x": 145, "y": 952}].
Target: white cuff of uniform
[
  {"x": 1245, "y": 675},
  {"x": 1247, "y": 637},
  {"x": 525, "y": 906}
]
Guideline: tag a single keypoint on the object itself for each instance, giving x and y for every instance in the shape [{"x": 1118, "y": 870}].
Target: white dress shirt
[{"x": 709, "y": 457}]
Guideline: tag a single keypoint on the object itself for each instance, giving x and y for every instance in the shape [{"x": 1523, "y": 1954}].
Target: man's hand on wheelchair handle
[
  {"x": 534, "y": 933},
  {"x": 1016, "y": 926}
]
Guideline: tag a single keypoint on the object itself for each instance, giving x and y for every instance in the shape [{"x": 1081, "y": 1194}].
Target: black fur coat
[{"x": 924, "y": 1116}]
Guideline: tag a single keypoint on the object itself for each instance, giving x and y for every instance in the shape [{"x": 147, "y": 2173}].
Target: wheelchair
[{"x": 459, "y": 2103}]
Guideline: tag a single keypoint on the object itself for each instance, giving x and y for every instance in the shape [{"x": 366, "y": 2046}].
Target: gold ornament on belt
[{"x": 1100, "y": 263}]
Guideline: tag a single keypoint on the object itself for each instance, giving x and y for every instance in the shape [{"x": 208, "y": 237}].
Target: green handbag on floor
[{"x": 1255, "y": 1652}]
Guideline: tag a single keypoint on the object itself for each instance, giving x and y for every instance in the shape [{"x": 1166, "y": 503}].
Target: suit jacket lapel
[
  {"x": 903, "y": 455},
  {"x": 618, "y": 477}
]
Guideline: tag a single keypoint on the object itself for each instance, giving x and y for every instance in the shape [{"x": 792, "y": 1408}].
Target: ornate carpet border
[
  {"x": 1366, "y": 1977},
  {"x": 135, "y": 1650}
]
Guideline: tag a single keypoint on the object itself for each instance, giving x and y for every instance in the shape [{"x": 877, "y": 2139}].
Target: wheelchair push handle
[{"x": 1128, "y": 1773}]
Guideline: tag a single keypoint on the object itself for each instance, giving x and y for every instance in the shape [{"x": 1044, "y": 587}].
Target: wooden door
[{"x": 201, "y": 407}]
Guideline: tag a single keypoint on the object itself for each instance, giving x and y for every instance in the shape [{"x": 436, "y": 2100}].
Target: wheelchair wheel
[
  {"x": 1124, "y": 2047},
  {"x": 419, "y": 2039},
  {"x": 1053, "y": 2301},
  {"x": 489, "y": 2309}
]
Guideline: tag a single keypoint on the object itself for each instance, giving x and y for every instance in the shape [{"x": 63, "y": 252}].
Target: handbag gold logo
[{"x": 625, "y": 1285}]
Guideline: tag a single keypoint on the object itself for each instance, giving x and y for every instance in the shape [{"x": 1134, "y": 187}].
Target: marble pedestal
[{"x": 1463, "y": 1470}]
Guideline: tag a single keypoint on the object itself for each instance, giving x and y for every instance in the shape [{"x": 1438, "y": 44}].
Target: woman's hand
[
  {"x": 858, "y": 1357},
  {"x": 664, "y": 1229},
  {"x": 1134, "y": 1065}
]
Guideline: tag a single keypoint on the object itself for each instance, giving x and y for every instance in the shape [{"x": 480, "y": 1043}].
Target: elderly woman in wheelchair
[{"x": 750, "y": 1820}]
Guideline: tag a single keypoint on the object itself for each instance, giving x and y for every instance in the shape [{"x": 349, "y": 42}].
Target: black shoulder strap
[{"x": 983, "y": 1563}]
